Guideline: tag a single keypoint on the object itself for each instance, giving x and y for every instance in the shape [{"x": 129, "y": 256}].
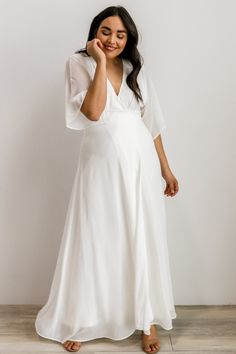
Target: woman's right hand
[{"x": 94, "y": 48}]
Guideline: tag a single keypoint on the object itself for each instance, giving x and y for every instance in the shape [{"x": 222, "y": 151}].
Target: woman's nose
[{"x": 111, "y": 39}]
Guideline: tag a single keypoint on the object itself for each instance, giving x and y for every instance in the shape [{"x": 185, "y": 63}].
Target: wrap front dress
[{"x": 112, "y": 274}]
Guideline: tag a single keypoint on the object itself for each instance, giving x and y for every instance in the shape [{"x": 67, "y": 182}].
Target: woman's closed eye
[{"x": 107, "y": 33}]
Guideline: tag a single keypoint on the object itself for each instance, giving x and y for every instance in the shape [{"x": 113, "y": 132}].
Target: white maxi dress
[{"x": 112, "y": 274}]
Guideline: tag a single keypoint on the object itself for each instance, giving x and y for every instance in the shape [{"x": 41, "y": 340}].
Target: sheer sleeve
[
  {"x": 152, "y": 113},
  {"x": 77, "y": 82}
]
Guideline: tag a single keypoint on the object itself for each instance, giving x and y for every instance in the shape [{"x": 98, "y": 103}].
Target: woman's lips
[{"x": 108, "y": 47}]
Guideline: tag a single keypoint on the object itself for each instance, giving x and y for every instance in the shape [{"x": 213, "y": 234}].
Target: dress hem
[{"x": 112, "y": 338}]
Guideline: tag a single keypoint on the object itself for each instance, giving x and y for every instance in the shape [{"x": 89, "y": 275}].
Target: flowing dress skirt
[{"x": 112, "y": 274}]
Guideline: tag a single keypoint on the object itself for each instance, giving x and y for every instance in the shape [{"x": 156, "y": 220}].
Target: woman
[{"x": 112, "y": 274}]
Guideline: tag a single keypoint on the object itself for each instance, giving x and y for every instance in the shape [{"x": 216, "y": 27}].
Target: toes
[
  {"x": 66, "y": 344},
  {"x": 76, "y": 345},
  {"x": 72, "y": 346},
  {"x": 151, "y": 348},
  {"x": 69, "y": 346},
  {"x": 155, "y": 346}
]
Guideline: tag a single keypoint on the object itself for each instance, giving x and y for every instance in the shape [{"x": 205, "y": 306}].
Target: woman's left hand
[{"x": 172, "y": 186}]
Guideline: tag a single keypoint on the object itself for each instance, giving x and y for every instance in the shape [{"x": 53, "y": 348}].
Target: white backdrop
[{"x": 189, "y": 47}]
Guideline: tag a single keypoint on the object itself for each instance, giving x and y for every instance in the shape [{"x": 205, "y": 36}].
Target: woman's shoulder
[{"x": 79, "y": 58}]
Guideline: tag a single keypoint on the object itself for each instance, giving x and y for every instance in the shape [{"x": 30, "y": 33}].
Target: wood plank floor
[{"x": 196, "y": 330}]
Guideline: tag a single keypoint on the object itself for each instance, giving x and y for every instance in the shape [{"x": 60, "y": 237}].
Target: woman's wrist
[
  {"x": 165, "y": 168},
  {"x": 101, "y": 61}
]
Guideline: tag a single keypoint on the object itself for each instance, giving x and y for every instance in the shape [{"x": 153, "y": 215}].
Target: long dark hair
[{"x": 130, "y": 51}]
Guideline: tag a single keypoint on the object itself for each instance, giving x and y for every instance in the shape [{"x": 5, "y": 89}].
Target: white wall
[{"x": 189, "y": 45}]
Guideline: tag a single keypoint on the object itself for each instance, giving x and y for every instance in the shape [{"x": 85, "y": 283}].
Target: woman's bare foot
[
  {"x": 151, "y": 343},
  {"x": 72, "y": 346}
]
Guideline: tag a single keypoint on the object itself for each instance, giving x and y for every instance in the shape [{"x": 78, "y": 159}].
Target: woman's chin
[{"x": 111, "y": 54}]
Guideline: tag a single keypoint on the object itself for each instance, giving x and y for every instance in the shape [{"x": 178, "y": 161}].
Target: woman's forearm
[
  {"x": 95, "y": 99},
  {"x": 161, "y": 153}
]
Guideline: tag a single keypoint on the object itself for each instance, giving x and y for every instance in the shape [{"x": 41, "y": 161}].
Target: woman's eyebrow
[{"x": 110, "y": 29}]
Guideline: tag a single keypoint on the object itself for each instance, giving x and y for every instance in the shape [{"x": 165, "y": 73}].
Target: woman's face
[{"x": 113, "y": 36}]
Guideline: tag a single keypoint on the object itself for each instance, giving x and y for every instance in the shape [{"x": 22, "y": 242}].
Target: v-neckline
[
  {"x": 122, "y": 80},
  {"x": 109, "y": 82}
]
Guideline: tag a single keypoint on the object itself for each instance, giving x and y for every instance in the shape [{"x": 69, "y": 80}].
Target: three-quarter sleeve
[
  {"x": 77, "y": 82},
  {"x": 152, "y": 113}
]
